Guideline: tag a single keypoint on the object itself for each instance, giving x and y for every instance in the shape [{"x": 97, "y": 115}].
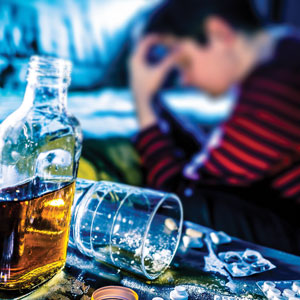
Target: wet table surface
[{"x": 196, "y": 269}]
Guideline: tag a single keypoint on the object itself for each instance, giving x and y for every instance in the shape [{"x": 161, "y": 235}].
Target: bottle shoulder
[
  {"x": 39, "y": 126},
  {"x": 39, "y": 143}
]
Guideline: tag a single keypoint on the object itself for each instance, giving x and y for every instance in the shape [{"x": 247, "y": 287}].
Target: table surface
[{"x": 196, "y": 269}]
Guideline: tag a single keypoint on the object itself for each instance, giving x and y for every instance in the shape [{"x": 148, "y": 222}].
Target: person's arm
[
  {"x": 259, "y": 140},
  {"x": 254, "y": 145},
  {"x": 249, "y": 150},
  {"x": 157, "y": 150},
  {"x": 159, "y": 156}
]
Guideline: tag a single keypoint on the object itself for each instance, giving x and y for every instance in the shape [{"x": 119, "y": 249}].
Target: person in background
[{"x": 249, "y": 182}]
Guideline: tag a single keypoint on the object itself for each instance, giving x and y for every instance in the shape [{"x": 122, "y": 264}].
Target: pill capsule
[
  {"x": 194, "y": 233},
  {"x": 268, "y": 285},
  {"x": 171, "y": 224}
]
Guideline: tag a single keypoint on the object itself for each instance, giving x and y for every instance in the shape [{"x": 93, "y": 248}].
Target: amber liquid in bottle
[{"x": 33, "y": 234}]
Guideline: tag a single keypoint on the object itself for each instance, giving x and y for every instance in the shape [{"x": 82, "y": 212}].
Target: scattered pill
[
  {"x": 268, "y": 285},
  {"x": 179, "y": 293},
  {"x": 190, "y": 242},
  {"x": 194, "y": 233},
  {"x": 288, "y": 293},
  {"x": 220, "y": 238},
  {"x": 171, "y": 224},
  {"x": 273, "y": 292},
  {"x": 296, "y": 287}
]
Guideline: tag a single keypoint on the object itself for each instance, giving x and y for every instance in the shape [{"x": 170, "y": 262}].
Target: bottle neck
[
  {"x": 45, "y": 96},
  {"x": 48, "y": 79}
]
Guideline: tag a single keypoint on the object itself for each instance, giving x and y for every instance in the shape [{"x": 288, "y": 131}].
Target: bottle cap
[{"x": 115, "y": 292}]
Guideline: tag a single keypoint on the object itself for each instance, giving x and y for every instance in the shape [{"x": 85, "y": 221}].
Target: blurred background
[{"x": 98, "y": 37}]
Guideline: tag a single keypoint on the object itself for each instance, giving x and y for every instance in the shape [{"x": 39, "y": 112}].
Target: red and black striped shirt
[{"x": 260, "y": 140}]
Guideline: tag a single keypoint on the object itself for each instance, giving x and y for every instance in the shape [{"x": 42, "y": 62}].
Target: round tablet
[{"x": 268, "y": 285}]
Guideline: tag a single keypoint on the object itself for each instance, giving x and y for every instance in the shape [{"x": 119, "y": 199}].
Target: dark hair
[{"x": 185, "y": 18}]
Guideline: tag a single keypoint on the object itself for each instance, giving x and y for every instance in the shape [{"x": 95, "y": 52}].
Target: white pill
[
  {"x": 220, "y": 237},
  {"x": 180, "y": 290},
  {"x": 186, "y": 241},
  {"x": 296, "y": 286},
  {"x": 215, "y": 238},
  {"x": 171, "y": 224},
  {"x": 278, "y": 298},
  {"x": 190, "y": 242},
  {"x": 194, "y": 233},
  {"x": 179, "y": 293},
  {"x": 268, "y": 285},
  {"x": 273, "y": 292},
  {"x": 288, "y": 293}
]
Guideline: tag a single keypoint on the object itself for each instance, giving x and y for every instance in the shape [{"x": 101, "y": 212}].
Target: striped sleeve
[
  {"x": 158, "y": 154},
  {"x": 261, "y": 139},
  {"x": 288, "y": 182}
]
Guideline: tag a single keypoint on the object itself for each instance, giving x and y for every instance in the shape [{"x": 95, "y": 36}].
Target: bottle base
[{"x": 27, "y": 284}]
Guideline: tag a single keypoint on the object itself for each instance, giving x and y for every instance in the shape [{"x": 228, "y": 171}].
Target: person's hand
[{"x": 146, "y": 80}]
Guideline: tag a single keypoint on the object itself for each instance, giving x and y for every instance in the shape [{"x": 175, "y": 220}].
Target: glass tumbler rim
[
  {"x": 149, "y": 223},
  {"x": 90, "y": 190}
]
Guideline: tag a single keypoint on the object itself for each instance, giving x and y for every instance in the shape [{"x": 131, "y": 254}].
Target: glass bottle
[{"x": 40, "y": 147}]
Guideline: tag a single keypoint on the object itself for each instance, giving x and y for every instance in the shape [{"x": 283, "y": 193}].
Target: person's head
[{"x": 212, "y": 35}]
